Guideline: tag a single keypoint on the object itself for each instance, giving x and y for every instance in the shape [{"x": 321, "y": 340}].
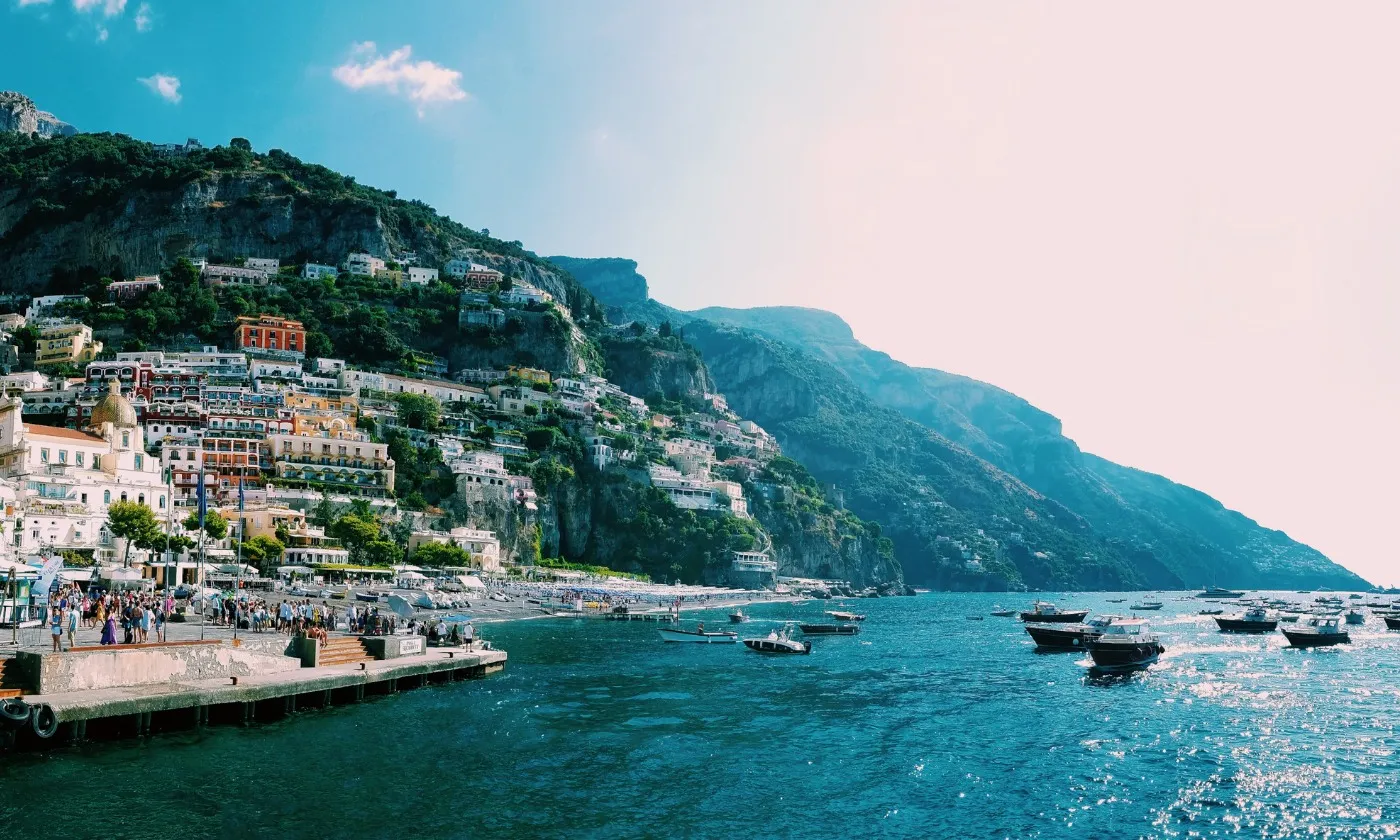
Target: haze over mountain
[{"x": 1172, "y": 535}]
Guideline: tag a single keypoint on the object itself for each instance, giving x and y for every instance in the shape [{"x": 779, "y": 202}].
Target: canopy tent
[
  {"x": 407, "y": 568},
  {"x": 20, "y": 569},
  {"x": 236, "y": 569},
  {"x": 288, "y": 571},
  {"x": 470, "y": 582}
]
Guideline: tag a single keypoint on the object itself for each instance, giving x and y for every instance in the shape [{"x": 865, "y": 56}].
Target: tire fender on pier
[
  {"x": 44, "y": 721},
  {"x": 14, "y": 711}
]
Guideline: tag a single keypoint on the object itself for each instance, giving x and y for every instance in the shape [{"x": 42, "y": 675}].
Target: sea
[{"x": 927, "y": 724}]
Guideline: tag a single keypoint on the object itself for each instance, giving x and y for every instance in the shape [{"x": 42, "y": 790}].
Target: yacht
[
  {"x": 845, "y": 616},
  {"x": 1217, "y": 592},
  {"x": 1253, "y": 620},
  {"x": 779, "y": 641},
  {"x": 1146, "y": 605},
  {"x": 1069, "y": 636},
  {"x": 1001, "y": 612},
  {"x": 738, "y": 617},
  {"x": 699, "y": 635},
  {"x": 1317, "y": 631},
  {"x": 1045, "y": 612},
  {"x": 1125, "y": 645},
  {"x": 831, "y": 629}
]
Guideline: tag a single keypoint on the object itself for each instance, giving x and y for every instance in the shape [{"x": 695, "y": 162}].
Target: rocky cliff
[
  {"x": 20, "y": 115},
  {"x": 650, "y": 365}
]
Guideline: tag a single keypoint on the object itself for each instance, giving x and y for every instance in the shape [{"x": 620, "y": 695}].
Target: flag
[
  {"x": 240, "y": 495},
  {"x": 203, "y": 502}
]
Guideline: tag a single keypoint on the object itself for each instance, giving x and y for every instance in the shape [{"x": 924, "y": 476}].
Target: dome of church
[{"x": 113, "y": 408}]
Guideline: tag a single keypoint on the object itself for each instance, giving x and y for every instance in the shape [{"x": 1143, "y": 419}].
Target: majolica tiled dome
[{"x": 113, "y": 408}]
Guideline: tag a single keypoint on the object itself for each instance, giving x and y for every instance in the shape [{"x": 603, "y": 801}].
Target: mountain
[
  {"x": 19, "y": 114},
  {"x": 1169, "y": 534}
]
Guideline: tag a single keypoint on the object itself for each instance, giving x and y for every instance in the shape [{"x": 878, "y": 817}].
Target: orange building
[{"x": 268, "y": 332}]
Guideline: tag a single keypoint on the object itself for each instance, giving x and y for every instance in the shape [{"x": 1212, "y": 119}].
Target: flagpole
[
  {"x": 199, "y": 575},
  {"x": 238, "y": 558}
]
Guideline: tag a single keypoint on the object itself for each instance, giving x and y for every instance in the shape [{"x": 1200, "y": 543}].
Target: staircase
[
  {"x": 343, "y": 650},
  {"x": 11, "y": 684}
]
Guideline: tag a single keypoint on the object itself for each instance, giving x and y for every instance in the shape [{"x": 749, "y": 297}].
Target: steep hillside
[
  {"x": 109, "y": 205},
  {"x": 1186, "y": 531}
]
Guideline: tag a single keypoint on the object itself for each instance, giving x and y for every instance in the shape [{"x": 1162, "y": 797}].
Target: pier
[{"x": 138, "y": 690}]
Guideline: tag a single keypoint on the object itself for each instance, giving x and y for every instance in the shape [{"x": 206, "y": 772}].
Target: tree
[
  {"x": 135, "y": 523},
  {"x": 383, "y": 553},
  {"x": 323, "y": 515},
  {"x": 215, "y": 525},
  {"x": 241, "y": 143},
  {"x": 263, "y": 552},
  {"x": 418, "y": 411},
  {"x": 664, "y": 330},
  {"x": 437, "y": 555}
]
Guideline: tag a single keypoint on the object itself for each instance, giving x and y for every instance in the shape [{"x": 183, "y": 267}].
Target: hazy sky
[{"x": 1172, "y": 226}]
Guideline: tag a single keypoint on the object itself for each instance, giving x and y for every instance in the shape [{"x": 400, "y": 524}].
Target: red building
[{"x": 270, "y": 333}]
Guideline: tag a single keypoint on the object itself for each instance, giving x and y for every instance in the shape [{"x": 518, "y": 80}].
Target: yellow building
[
  {"x": 529, "y": 374},
  {"x": 70, "y": 344},
  {"x": 299, "y": 401}
]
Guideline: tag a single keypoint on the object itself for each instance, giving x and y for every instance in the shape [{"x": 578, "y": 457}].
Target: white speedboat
[
  {"x": 779, "y": 641},
  {"x": 1125, "y": 645},
  {"x": 699, "y": 636}
]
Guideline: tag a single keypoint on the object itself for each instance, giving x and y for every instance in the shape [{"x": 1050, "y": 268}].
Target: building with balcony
[
  {"x": 121, "y": 291},
  {"x": 269, "y": 334},
  {"x": 66, "y": 344},
  {"x": 233, "y": 275},
  {"x": 335, "y": 458}
]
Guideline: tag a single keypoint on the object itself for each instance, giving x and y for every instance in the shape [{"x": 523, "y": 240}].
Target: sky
[{"x": 1173, "y": 227}]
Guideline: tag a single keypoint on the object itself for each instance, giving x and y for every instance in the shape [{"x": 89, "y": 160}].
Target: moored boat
[
  {"x": 1068, "y": 636},
  {"x": 1355, "y": 616},
  {"x": 1045, "y": 612},
  {"x": 1125, "y": 645},
  {"x": 1211, "y": 612},
  {"x": 1146, "y": 605},
  {"x": 699, "y": 635},
  {"x": 845, "y": 616},
  {"x": 1252, "y": 620},
  {"x": 1001, "y": 612},
  {"x": 371, "y": 597},
  {"x": 1317, "y": 631},
  {"x": 1217, "y": 592},
  {"x": 779, "y": 641},
  {"x": 1392, "y": 622},
  {"x": 738, "y": 617},
  {"x": 831, "y": 629}
]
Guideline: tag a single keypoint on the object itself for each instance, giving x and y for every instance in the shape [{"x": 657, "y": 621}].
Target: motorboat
[
  {"x": 1317, "y": 631},
  {"x": 1069, "y": 636},
  {"x": 371, "y": 597},
  {"x": 738, "y": 617},
  {"x": 1289, "y": 618},
  {"x": 1354, "y": 597},
  {"x": 831, "y": 629},
  {"x": 1211, "y": 612},
  {"x": 1217, "y": 592},
  {"x": 1355, "y": 616},
  {"x": 845, "y": 616},
  {"x": 1252, "y": 620},
  {"x": 1146, "y": 605},
  {"x": 1117, "y": 600},
  {"x": 779, "y": 641},
  {"x": 1392, "y": 622},
  {"x": 1044, "y": 612},
  {"x": 1001, "y": 612},
  {"x": 699, "y": 635},
  {"x": 1125, "y": 645}
]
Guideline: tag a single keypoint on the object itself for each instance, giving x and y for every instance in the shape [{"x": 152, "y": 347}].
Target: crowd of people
[{"x": 140, "y": 617}]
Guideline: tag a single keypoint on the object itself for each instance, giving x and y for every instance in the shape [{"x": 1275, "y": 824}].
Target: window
[
  {"x": 106, "y": 497},
  {"x": 78, "y": 458},
  {"x": 44, "y": 455},
  {"x": 126, "y": 439},
  {"x": 141, "y": 498},
  {"x": 162, "y": 501},
  {"x": 123, "y": 497},
  {"x": 140, "y": 461},
  {"x": 84, "y": 498},
  {"x": 63, "y": 456},
  {"x": 96, "y": 461}
]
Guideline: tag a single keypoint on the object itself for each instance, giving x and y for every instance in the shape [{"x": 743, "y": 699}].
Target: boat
[
  {"x": 1354, "y": 597},
  {"x": 699, "y": 635},
  {"x": 1355, "y": 616},
  {"x": 1392, "y": 622},
  {"x": 371, "y": 597},
  {"x": 1068, "y": 636},
  {"x": 1117, "y": 600},
  {"x": 1217, "y": 592},
  {"x": 1252, "y": 620},
  {"x": 1317, "y": 631},
  {"x": 1001, "y": 612},
  {"x": 1291, "y": 618},
  {"x": 1211, "y": 612},
  {"x": 845, "y": 616},
  {"x": 1125, "y": 645},
  {"x": 1146, "y": 605},
  {"x": 1045, "y": 612},
  {"x": 779, "y": 641},
  {"x": 831, "y": 629},
  {"x": 737, "y": 617}
]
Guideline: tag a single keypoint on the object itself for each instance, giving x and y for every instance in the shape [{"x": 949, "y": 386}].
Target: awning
[{"x": 470, "y": 582}]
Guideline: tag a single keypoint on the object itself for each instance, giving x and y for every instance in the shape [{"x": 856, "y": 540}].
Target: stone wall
[{"x": 88, "y": 670}]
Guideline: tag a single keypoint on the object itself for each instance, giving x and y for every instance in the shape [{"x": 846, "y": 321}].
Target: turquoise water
[{"x": 925, "y": 725}]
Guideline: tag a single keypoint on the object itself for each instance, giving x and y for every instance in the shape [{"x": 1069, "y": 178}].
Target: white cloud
[
  {"x": 167, "y": 86},
  {"x": 423, "y": 82},
  {"x": 110, "y": 8},
  {"x": 143, "y": 17},
  {"x": 102, "y": 34},
  {"x": 23, "y": 3}
]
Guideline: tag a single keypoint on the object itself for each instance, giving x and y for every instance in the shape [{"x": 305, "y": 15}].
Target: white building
[
  {"x": 483, "y": 546},
  {"x": 364, "y": 264},
  {"x": 442, "y": 390},
  {"x": 315, "y": 271},
  {"x": 267, "y": 265},
  {"x": 233, "y": 275},
  {"x": 482, "y": 475},
  {"x": 523, "y": 293},
  {"x": 65, "y": 479},
  {"x": 422, "y": 276},
  {"x": 41, "y": 308}
]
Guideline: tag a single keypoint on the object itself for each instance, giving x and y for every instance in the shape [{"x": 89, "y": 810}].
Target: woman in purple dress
[{"x": 109, "y": 631}]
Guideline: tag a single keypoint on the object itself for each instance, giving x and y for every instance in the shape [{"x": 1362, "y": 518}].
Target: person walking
[
  {"x": 72, "y": 624},
  {"x": 56, "y": 625}
]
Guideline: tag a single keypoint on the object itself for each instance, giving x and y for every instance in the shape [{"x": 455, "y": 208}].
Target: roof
[{"x": 59, "y": 432}]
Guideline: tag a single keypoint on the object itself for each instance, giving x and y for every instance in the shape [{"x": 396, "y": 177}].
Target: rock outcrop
[{"x": 19, "y": 114}]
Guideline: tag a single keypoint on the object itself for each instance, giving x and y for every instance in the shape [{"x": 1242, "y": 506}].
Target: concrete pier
[{"x": 150, "y": 707}]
